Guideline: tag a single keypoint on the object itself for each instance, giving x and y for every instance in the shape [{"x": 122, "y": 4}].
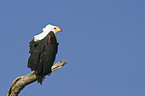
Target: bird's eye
[{"x": 54, "y": 28}]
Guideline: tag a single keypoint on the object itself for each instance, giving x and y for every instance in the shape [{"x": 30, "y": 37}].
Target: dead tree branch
[{"x": 20, "y": 82}]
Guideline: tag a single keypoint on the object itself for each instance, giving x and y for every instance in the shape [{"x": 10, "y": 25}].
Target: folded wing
[{"x": 42, "y": 56}]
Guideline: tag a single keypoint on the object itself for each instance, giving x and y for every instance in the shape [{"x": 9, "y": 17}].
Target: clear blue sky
[{"x": 103, "y": 42}]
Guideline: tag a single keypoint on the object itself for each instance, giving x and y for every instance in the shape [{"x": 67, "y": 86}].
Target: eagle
[{"x": 43, "y": 50}]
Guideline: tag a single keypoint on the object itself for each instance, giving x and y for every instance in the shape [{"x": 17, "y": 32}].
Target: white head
[
  {"x": 46, "y": 30},
  {"x": 49, "y": 28}
]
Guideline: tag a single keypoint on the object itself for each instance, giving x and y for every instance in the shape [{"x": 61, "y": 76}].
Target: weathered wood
[{"x": 20, "y": 82}]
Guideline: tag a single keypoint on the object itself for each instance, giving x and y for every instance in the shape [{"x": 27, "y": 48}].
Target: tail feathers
[{"x": 40, "y": 78}]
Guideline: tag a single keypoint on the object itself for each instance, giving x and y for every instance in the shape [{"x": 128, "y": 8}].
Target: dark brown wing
[{"x": 42, "y": 56}]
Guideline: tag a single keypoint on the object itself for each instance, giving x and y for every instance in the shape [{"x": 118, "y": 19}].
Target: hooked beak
[{"x": 58, "y": 29}]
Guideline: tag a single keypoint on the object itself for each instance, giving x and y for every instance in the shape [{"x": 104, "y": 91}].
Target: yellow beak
[{"x": 58, "y": 29}]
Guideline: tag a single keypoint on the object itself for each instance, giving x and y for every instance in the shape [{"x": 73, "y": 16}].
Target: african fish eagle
[{"x": 43, "y": 49}]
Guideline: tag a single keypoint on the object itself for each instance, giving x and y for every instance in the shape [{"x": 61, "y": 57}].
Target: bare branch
[{"x": 20, "y": 82}]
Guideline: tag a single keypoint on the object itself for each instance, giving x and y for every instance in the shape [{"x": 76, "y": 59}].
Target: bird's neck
[{"x": 41, "y": 36}]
